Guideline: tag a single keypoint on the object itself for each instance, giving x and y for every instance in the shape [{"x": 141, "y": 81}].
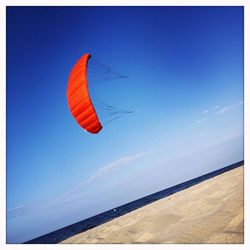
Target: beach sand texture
[{"x": 209, "y": 212}]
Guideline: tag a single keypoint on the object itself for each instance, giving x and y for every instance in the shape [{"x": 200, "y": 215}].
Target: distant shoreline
[{"x": 97, "y": 220}]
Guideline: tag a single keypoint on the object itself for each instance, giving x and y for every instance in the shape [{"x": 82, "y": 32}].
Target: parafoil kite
[{"x": 78, "y": 97}]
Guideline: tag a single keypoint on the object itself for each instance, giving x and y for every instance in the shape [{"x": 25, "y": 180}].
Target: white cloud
[
  {"x": 117, "y": 165},
  {"x": 114, "y": 166},
  {"x": 229, "y": 107},
  {"x": 18, "y": 211},
  {"x": 199, "y": 121},
  {"x": 206, "y": 111},
  {"x": 107, "y": 169},
  {"x": 223, "y": 110},
  {"x": 217, "y": 110},
  {"x": 16, "y": 208},
  {"x": 238, "y": 103}
]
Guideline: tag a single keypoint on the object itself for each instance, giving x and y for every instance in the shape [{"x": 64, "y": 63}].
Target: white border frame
[{"x": 5, "y": 3}]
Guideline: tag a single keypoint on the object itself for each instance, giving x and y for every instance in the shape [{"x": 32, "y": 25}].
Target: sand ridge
[{"x": 209, "y": 212}]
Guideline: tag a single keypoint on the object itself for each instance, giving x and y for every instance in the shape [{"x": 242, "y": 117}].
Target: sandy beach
[{"x": 209, "y": 212}]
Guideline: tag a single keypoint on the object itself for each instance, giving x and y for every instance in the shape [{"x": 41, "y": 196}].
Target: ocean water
[{"x": 84, "y": 225}]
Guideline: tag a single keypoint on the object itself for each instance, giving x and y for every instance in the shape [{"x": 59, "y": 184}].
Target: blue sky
[{"x": 185, "y": 77}]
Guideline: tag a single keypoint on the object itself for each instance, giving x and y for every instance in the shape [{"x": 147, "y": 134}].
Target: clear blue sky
[{"x": 185, "y": 69}]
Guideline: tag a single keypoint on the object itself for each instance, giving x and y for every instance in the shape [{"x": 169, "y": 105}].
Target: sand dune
[{"x": 209, "y": 212}]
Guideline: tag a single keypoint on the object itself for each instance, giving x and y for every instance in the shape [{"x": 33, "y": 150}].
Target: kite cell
[{"x": 79, "y": 100}]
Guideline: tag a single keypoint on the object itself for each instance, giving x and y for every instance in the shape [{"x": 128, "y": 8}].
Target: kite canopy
[{"x": 78, "y": 97}]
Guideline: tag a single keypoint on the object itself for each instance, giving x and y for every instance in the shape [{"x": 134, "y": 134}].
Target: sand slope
[{"x": 210, "y": 212}]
